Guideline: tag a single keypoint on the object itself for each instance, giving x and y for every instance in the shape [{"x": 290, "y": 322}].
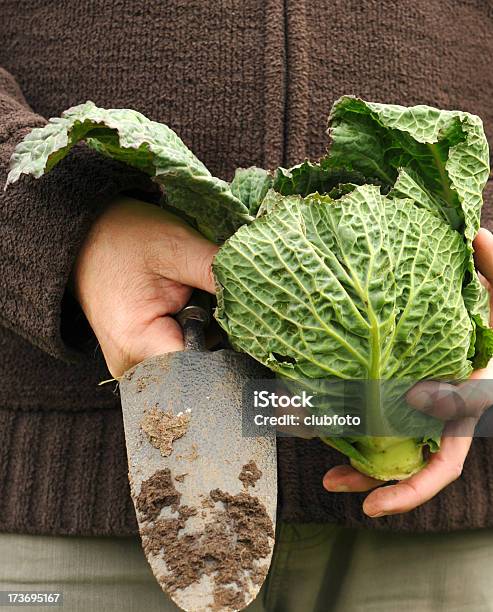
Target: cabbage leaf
[{"x": 128, "y": 136}]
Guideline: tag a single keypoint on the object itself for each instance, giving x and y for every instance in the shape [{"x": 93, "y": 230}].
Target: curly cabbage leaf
[{"x": 128, "y": 136}]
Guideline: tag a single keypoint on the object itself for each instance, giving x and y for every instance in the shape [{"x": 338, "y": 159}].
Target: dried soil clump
[
  {"x": 164, "y": 427},
  {"x": 164, "y": 529},
  {"x": 229, "y": 549},
  {"x": 250, "y": 474},
  {"x": 157, "y": 492}
]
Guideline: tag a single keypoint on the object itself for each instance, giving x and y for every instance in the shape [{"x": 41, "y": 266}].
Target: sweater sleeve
[{"x": 43, "y": 223}]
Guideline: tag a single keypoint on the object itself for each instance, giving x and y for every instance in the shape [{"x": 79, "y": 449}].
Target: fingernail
[
  {"x": 376, "y": 514},
  {"x": 336, "y": 488},
  {"x": 341, "y": 488}
]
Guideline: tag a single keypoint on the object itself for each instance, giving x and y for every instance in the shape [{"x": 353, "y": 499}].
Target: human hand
[
  {"x": 459, "y": 405},
  {"x": 137, "y": 267}
]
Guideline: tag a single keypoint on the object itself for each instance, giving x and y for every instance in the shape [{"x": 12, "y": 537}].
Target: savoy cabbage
[{"x": 356, "y": 267}]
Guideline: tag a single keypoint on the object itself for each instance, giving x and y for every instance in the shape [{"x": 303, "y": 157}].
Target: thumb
[
  {"x": 199, "y": 272},
  {"x": 186, "y": 257}
]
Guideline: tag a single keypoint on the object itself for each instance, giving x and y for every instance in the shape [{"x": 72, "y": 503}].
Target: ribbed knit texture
[{"x": 243, "y": 82}]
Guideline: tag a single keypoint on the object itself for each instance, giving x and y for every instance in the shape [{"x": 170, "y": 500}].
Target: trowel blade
[{"x": 207, "y": 535}]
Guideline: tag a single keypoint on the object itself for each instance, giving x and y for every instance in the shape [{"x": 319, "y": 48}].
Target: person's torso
[{"x": 249, "y": 81}]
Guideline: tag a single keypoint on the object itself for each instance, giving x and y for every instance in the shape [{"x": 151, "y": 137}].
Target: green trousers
[{"x": 316, "y": 568}]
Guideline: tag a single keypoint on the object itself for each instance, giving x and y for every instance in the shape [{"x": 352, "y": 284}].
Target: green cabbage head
[{"x": 356, "y": 267}]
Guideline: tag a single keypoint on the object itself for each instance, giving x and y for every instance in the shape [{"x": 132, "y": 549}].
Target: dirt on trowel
[
  {"x": 163, "y": 427},
  {"x": 230, "y": 548},
  {"x": 250, "y": 474}
]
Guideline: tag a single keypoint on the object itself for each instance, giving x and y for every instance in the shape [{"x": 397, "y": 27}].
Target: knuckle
[
  {"x": 452, "y": 469},
  {"x": 456, "y": 470}
]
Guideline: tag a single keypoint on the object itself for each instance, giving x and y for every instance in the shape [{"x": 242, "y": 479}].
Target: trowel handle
[{"x": 193, "y": 319}]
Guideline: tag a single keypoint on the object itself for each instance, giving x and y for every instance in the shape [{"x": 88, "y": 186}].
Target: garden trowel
[{"x": 202, "y": 474}]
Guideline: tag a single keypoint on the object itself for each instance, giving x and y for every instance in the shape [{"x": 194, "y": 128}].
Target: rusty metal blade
[{"x": 207, "y": 535}]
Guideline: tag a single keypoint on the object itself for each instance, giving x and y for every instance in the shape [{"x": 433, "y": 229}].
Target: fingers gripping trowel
[{"x": 203, "y": 485}]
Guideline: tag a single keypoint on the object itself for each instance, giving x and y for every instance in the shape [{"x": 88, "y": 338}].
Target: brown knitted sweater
[{"x": 243, "y": 82}]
